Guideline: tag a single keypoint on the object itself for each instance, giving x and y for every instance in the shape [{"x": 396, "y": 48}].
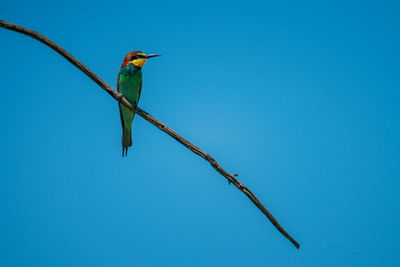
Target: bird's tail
[{"x": 126, "y": 140}]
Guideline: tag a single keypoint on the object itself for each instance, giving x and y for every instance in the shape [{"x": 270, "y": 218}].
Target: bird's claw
[{"x": 120, "y": 96}]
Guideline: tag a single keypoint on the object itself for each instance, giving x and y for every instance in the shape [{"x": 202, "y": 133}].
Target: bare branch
[{"x": 120, "y": 98}]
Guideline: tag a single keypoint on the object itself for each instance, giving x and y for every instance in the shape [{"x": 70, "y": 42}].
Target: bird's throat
[{"x": 139, "y": 62}]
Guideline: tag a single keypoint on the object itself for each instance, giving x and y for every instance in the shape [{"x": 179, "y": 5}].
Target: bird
[{"x": 129, "y": 84}]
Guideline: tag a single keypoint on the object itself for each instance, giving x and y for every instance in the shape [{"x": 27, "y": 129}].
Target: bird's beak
[{"x": 152, "y": 55}]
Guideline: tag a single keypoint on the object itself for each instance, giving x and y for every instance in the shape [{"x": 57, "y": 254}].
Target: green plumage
[{"x": 129, "y": 84}]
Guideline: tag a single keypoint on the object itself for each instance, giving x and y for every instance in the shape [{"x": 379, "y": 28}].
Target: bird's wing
[
  {"x": 119, "y": 104},
  {"x": 140, "y": 91},
  {"x": 119, "y": 73}
]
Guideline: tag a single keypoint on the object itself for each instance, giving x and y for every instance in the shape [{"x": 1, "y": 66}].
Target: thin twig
[{"x": 120, "y": 98}]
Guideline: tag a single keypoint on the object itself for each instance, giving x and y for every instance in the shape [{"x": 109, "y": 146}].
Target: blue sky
[{"x": 300, "y": 98}]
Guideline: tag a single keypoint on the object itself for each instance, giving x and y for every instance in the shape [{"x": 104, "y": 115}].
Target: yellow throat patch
[{"x": 139, "y": 62}]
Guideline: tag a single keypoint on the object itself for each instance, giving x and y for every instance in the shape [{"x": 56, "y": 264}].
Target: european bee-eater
[{"x": 129, "y": 84}]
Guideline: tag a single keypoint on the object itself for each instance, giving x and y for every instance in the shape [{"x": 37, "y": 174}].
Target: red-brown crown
[{"x": 128, "y": 57}]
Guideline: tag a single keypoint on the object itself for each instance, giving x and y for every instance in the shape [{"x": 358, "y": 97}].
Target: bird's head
[{"x": 137, "y": 58}]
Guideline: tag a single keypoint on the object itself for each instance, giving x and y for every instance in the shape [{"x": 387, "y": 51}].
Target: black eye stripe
[{"x": 137, "y": 57}]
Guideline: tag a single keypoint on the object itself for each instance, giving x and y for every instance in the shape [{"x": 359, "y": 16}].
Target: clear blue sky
[{"x": 300, "y": 98}]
